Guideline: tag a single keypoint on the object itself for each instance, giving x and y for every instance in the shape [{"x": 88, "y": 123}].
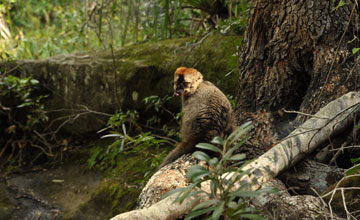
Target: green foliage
[
  {"x": 170, "y": 127},
  {"x": 22, "y": 114},
  {"x": 122, "y": 119},
  {"x": 356, "y": 167},
  {"x": 21, "y": 92},
  {"x": 104, "y": 158},
  {"x": 355, "y": 51},
  {"x": 222, "y": 201},
  {"x": 46, "y": 28},
  {"x": 340, "y": 4},
  {"x": 124, "y": 142},
  {"x": 126, "y": 130}
]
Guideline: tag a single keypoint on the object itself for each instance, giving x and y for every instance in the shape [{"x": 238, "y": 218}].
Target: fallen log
[{"x": 330, "y": 120}]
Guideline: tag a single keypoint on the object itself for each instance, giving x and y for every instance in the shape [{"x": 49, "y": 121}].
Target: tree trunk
[{"x": 296, "y": 56}]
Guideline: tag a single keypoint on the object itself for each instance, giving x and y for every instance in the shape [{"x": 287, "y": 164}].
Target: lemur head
[{"x": 186, "y": 81}]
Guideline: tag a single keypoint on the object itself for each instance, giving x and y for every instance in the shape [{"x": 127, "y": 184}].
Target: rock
[
  {"x": 171, "y": 176},
  {"x": 106, "y": 82}
]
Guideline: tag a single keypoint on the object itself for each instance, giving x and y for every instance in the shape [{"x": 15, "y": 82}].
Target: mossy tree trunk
[{"x": 296, "y": 55}]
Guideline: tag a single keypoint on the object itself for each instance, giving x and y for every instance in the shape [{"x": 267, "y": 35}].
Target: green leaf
[
  {"x": 171, "y": 192},
  {"x": 253, "y": 216},
  {"x": 235, "y": 135},
  {"x": 352, "y": 170},
  {"x": 207, "y": 146},
  {"x": 205, "y": 204},
  {"x": 214, "y": 161},
  {"x": 196, "y": 213},
  {"x": 213, "y": 187},
  {"x": 355, "y": 160},
  {"x": 34, "y": 81},
  {"x": 341, "y": 3},
  {"x": 185, "y": 193},
  {"x": 232, "y": 205},
  {"x": 237, "y": 146},
  {"x": 196, "y": 172},
  {"x": 244, "y": 193},
  {"x": 355, "y": 50},
  {"x": 233, "y": 181},
  {"x": 238, "y": 157},
  {"x": 201, "y": 156},
  {"x": 218, "y": 210},
  {"x": 24, "y": 105},
  {"x": 218, "y": 140}
]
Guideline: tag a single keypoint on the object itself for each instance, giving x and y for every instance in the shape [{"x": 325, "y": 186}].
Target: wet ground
[{"x": 49, "y": 194}]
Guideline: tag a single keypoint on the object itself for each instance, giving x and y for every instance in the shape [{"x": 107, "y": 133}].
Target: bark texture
[
  {"x": 295, "y": 56},
  {"x": 311, "y": 177}
]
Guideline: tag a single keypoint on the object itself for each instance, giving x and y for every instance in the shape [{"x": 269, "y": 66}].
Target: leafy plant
[
  {"x": 356, "y": 167},
  {"x": 22, "y": 114},
  {"x": 169, "y": 127},
  {"x": 104, "y": 158},
  {"x": 21, "y": 92},
  {"x": 121, "y": 120},
  {"x": 221, "y": 200},
  {"x": 127, "y": 132}
]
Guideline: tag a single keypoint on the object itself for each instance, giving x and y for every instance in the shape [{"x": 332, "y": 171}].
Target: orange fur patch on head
[{"x": 185, "y": 70}]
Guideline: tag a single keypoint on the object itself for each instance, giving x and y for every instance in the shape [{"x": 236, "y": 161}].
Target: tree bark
[{"x": 296, "y": 55}]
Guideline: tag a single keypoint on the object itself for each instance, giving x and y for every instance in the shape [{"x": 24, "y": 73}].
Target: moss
[
  {"x": 119, "y": 191},
  {"x": 214, "y": 56},
  {"x": 352, "y": 196},
  {"x": 113, "y": 197},
  {"x": 7, "y": 205},
  {"x": 104, "y": 84}
]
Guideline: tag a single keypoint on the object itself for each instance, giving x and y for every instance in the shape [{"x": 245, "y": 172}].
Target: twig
[
  {"x": 69, "y": 118},
  {"x": 321, "y": 199},
  {"x": 44, "y": 141},
  {"x": 348, "y": 147},
  {"x": 355, "y": 106},
  {"x": 337, "y": 154},
  {"x": 336, "y": 188},
  {"x": 302, "y": 113},
  {"x": 96, "y": 112},
  {"x": 348, "y": 214},
  {"x": 318, "y": 129},
  {"x": 43, "y": 150},
  {"x": 4, "y": 148},
  {"x": 12, "y": 69}
]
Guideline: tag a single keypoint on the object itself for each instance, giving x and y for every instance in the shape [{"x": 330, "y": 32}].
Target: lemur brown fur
[{"x": 206, "y": 112}]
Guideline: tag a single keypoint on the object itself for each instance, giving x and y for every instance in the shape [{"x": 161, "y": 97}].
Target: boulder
[{"x": 106, "y": 81}]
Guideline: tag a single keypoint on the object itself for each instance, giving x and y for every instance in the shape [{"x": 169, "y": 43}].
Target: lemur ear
[{"x": 199, "y": 76}]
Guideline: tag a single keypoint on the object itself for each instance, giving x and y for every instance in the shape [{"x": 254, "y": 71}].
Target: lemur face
[{"x": 186, "y": 81}]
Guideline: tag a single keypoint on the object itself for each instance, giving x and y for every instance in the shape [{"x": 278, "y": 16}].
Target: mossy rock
[
  {"x": 351, "y": 197},
  {"x": 7, "y": 204},
  {"x": 103, "y": 81},
  {"x": 118, "y": 192}
]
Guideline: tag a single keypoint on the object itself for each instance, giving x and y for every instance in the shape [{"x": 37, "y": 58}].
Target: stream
[{"x": 50, "y": 194}]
